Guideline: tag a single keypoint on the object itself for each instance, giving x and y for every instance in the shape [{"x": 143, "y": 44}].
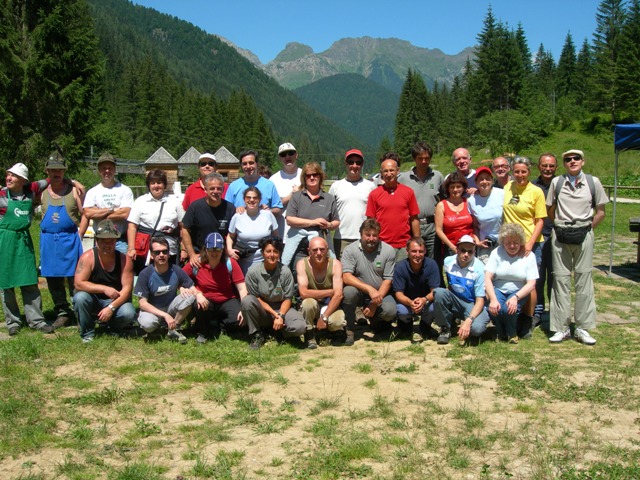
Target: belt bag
[
  {"x": 244, "y": 250},
  {"x": 142, "y": 243},
  {"x": 572, "y": 235}
]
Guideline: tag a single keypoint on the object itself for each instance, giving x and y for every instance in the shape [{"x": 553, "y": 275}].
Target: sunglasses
[
  {"x": 311, "y": 175},
  {"x": 287, "y": 154},
  {"x": 210, "y": 163},
  {"x": 353, "y": 161},
  {"x": 574, "y": 157},
  {"x": 514, "y": 200},
  {"x": 160, "y": 252}
]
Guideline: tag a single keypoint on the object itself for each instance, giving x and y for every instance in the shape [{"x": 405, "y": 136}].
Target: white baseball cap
[{"x": 21, "y": 170}]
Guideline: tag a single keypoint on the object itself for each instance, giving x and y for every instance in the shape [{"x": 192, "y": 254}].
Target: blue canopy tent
[{"x": 625, "y": 137}]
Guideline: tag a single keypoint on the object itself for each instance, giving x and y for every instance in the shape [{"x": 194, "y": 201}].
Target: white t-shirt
[
  {"x": 511, "y": 273},
  {"x": 145, "y": 212},
  {"x": 284, "y": 185},
  {"x": 351, "y": 200},
  {"x": 251, "y": 230},
  {"x": 117, "y": 196}
]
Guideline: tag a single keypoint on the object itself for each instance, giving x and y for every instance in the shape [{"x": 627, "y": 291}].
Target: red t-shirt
[
  {"x": 455, "y": 225},
  {"x": 196, "y": 192},
  {"x": 393, "y": 210},
  {"x": 216, "y": 285}
]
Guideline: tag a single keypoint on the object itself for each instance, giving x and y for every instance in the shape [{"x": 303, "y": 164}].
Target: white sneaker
[
  {"x": 560, "y": 336},
  {"x": 583, "y": 336}
]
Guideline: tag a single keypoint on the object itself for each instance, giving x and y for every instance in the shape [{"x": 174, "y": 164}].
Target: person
[
  {"x": 452, "y": 217},
  {"x": 104, "y": 280},
  {"x": 220, "y": 286},
  {"x": 207, "y": 164},
  {"x": 377, "y": 178},
  {"x": 414, "y": 280},
  {"x": 576, "y": 205},
  {"x": 264, "y": 171},
  {"x": 60, "y": 242},
  {"x": 501, "y": 170},
  {"x": 461, "y": 159},
  {"x": 109, "y": 200},
  {"x": 311, "y": 213},
  {"x": 270, "y": 291},
  {"x": 426, "y": 184},
  {"x": 464, "y": 298},
  {"x": 320, "y": 286},
  {"x": 251, "y": 178},
  {"x": 485, "y": 207},
  {"x": 205, "y": 216},
  {"x": 509, "y": 277},
  {"x": 351, "y": 194},
  {"x": 155, "y": 213},
  {"x": 287, "y": 182},
  {"x": 395, "y": 208},
  {"x": 165, "y": 291},
  {"x": 524, "y": 204},
  {"x": 547, "y": 165},
  {"x": 17, "y": 255},
  {"x": 367, "y": 274},
  {"x": 248, "y": 228}
]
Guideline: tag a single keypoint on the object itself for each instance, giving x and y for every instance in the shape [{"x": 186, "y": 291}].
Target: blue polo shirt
[
  {"x": 419, "y": 284},
  {"x": 466, "y": 283}
]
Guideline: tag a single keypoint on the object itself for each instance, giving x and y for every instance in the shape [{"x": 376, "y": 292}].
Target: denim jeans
[{"x": 87, "y": 305}]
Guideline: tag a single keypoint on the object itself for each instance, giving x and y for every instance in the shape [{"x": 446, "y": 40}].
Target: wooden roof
[
  {"x": 190, "y": 157},
  {"x": 161, "y": 157}
]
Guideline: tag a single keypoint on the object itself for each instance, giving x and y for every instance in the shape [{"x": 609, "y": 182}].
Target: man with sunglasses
[
  {"x": 157, "y": 288},
  {"x": 575, "y": 203},
  {"x": 207, "y": 164},
  {"x": 287, "y": 182},
  {"x": 351, "y": 194}
]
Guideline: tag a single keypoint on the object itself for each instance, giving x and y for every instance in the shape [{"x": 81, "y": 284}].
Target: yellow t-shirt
[{"x": 530, "y": 205}]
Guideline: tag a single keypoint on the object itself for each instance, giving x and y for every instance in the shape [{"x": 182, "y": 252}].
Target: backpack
[{"x": 590, "y": 183}]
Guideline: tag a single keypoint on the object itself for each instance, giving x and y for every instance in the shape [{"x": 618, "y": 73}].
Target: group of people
[{"x": 280, "y": 255}]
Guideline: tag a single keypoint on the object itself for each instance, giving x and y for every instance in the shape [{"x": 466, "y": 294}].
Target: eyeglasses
[
  {"x": 466, "y": 250},
  {"x": 500, "y": 167},
  {"x": 160, "y": 252},
  {"x": 462, "y": 158},
  {"x": 319, "y": 249},
  {"x": 311, "y": 175},
  {"x": 287, "y": 154},
  {"x": 514, "y": 200},
  {"x": 571, "y": 158},
  {"x": 211, "y": 163},
  {"x": 354, "y": 161}
]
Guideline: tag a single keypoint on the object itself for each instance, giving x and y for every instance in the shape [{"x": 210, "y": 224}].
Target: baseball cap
[
  {"x": 21, "y": 170},
  {"x": 56, "y": 162},
  {"x": 466, "y": 239},
  {"x": 573, "y": 152},
  {"x": 214, "y": 240},
  {"x": 483, "y": 169},
  {"x": 286, "y": 147},
  {"x": 208, "y": 156},
  {"x": 353, "y": 151},
  {"x": 106, "y": 157},
  {"x": 106, "y": 229}
]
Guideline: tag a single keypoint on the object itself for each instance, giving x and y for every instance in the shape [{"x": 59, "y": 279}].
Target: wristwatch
[
  {"x": 324, "y": 319},
  {"x": 113, "y": 309}
]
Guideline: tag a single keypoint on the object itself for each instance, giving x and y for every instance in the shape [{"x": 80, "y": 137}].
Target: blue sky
[{"x": 265, "y": 27}]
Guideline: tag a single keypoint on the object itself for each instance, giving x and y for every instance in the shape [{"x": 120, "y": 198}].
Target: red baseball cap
[
  {"x": 353, "y": 151},
  {"x": 483, "y": 169}
]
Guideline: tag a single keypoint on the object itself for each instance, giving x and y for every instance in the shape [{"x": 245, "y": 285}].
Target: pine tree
[
  {"x": 584, "y": 72},
  {"x": 565, "y": 75},
  {"x": 414, "y": 110},
  {"x": 628, "y": 66}
]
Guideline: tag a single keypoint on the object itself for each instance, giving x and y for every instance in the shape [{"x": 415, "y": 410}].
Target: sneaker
[
  {"x": 201, "y": 339},
  {"x": 176, "y": 336},
  {"x": 13, "y": 330},
  {"x": 443, "y": 338},
  {"x": 560, "y": 336},
  {"x": 257, "y": 342},
  {"x": 310, "y": 339},
  {"x": 583, "y": 336},
  {"x": 61, "y": 321},
  {"x": 417, "y": 338},
  {"x": 87, "y": 340},
  {"x": 46, "y": 329},
  {"x": 350, "y": 339},
  {"x": 514, "y": 340}
]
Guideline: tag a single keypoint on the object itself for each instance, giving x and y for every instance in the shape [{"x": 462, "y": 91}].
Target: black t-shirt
[{"x": 201, "y": 220}]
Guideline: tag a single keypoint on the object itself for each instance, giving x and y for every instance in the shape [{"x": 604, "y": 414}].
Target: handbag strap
[{"x": 158, "y": 220}]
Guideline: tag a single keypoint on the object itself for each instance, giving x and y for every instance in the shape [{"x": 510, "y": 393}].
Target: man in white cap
[
  {"x": 207, "y": 164},
  {"x": 17, "y": 256},
  {"x": 287, "y": 181},
  {"x": 575, "y": 202}
]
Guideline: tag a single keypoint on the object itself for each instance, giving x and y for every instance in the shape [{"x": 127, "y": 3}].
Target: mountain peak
[{"x": 292, "y": 52}]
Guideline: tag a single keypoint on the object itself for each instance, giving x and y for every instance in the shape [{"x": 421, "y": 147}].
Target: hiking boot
[
  {"x": 310, "y": 339},
  {"x": 560, "y": 336},
  {"x": 349, "y": 339},
  {"x": 201, "y": 339},
  {"x": 61, "y": 321},
  {"x": 13, "y": 330},
  {"x": 514, "y": 340},
  {"x": 257, "y": 341},
  {"x": 176, "y": 336},
  {"x": 583, "y": 336},
  {"x": 46, "y": 329},
  {"x": 417, "y": 338},
  {"x": 445, "y": 335}
]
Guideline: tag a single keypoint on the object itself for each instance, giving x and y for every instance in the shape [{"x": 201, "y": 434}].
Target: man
[
  {"x": 60, "y": 242},
  {"x": 252, "y": 178},
  {"x": 205, "y": 216},
  {"x": 17, "y": 256},
  {"x": 461, "y": 159},
  {"x": 501, "y": 172},
  {"x": 157, "y": 287},
  {"x": 104, "y": 279},
  {"x": 367, "y": 273},
  {"x": 575, "y": 203},
  {"x": 109, "y": 200},
  {"x": 351, "y": 194},
  {"x": 426, "y": 184},
  {"x": 547, "y": 165},
  {"x": 320, "y": 287},
  {"x": 207, "y": 164},
  {"x": 464, "y": 299},
  {"x": 414, "y": 280},
  {"x": 395, "y": 208},
  {"x": 287, "y": 181}
]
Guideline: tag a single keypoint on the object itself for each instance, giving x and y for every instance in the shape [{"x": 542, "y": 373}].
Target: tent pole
[{"x": 613, "y": 220}]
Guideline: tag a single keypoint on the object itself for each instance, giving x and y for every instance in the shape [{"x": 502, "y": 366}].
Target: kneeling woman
[
  {"x": 270, "y": 288},
  {"x": 220, "y": 285},
  {"x": 510, "y": 276}
]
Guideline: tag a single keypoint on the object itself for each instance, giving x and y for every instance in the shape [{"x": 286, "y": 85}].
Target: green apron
[{"x": 18, "y": 265}]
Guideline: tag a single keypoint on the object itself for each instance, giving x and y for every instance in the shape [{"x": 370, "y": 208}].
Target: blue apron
[{"x": 60, "y": 244}]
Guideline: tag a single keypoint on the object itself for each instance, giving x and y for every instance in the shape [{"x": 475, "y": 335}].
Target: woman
[
  {"x": 452, "y": 217},
  {"x": 524, "y": 204},
  {"x": 510, "y": 276},
  {"x": 310, "y": 213},
  {"x": 485, "y": 206},
  {"x": 248, "y": 228},
  {"x": 154, "y": 213},
  {"x": 270, "y": 290},
  {"x": 220, "y": 285}
]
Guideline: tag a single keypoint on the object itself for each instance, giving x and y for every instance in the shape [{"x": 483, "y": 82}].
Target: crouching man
[
  {"x": 104, "y": 280},
  {"x": 464, "y": 299},
  {"x": 157, "y": 287}
]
